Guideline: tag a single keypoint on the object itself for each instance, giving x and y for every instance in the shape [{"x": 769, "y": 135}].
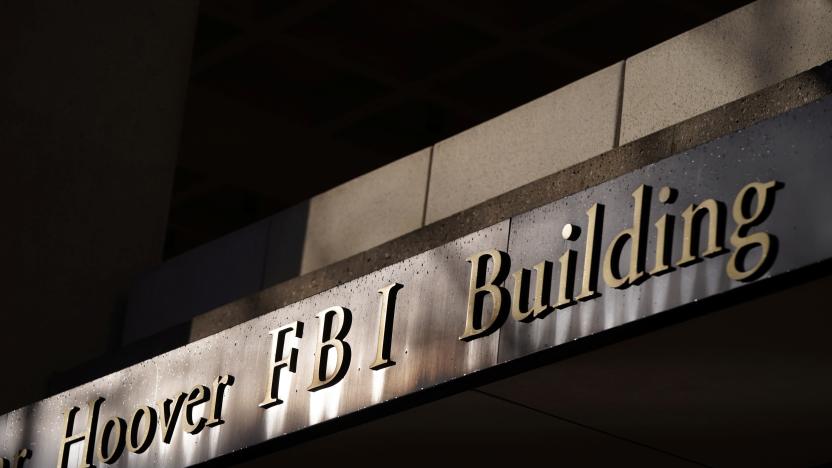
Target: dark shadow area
[
  {"x": 133, "y": 353},
  {"x": 284, "y": 249},
  {"x": 289, "y": 99}
]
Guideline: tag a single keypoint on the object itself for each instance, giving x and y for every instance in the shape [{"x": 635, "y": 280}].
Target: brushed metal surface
[
  {"x": 430, "y": 315},
  {"x": 794, "y": 148}
]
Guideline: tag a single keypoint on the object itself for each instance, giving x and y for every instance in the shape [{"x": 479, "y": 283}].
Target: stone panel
[
  {"x": 721, "y": 61},
  {"x": 366, "y": 211},
  {"x": 547, "y": 135}
]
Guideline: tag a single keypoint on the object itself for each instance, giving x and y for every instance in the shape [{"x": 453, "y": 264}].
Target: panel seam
[
  {"x": 500, "y": 330},
  {"x": 619, "y": 111},
  {"x": 427, "y": 186}
]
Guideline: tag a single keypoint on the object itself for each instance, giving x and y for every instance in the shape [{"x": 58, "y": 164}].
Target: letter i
[
  {"x": 664, "y": 235},
  {"x": 567, "y": 261}
]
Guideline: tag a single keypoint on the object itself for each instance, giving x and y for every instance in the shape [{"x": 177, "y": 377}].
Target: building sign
[{"x": 742, "y": 208}]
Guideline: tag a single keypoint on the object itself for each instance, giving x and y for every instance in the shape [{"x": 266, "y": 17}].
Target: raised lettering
[
  {"x": 198, "y": 395},
  {"x": 114, "y": 429},
  {"x": 386, "y": 312},
  {"x": 693, "y": 214},
  {"x": 743, "y": 242},
  {"x": 479, "y": 288},
  {"x": 279, "y": 361},
  {"x": 139, "y": 440},
  {"x": 637, "y": 237},
  {"x": 520, "y": 308},
  {"x": 171, "y": 415},
  {"x": 592, "y": 252},
  {"x": 215, "y": 413},
  {"x": 329, "y": 341},
  {"x": 87, "y": 436}
]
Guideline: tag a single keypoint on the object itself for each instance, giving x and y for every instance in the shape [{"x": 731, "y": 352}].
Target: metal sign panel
[
  {"x": 793, "y": 149},
  {"x": 742, "y": 208}
]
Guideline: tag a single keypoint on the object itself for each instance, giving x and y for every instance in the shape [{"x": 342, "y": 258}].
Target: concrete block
[
  {"x": 366, "y": 211},
  {"x": 721, "y": 61},
  {"x": 544, "y": 136}
]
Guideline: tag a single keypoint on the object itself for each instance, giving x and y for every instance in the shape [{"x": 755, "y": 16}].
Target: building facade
[{"x": 629, "y": 269}]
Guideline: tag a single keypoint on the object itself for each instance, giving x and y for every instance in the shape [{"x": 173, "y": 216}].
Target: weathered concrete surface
[
  {"x": 544, "y": 136},
  {"x": 366, "y": 211},
  {"x": 733, "y": 56}
]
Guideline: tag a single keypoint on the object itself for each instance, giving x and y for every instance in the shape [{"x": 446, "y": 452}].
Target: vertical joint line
[
  {"x": 508, "y": 234},
  {"x": 427, "y": 186},
  {"x": 499, "y": 332},
  {"x": 619, "y": 111}
]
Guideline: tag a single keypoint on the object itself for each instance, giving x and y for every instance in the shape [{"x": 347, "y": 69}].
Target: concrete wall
[
  {"x": 366, "y": 211},
  {"x": 544, "y": 136},
  {"x": 724, "y": 60},
  {"x": 717, "y": 63}
]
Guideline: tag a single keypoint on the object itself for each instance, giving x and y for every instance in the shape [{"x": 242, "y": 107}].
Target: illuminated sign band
[{"x": 691, "y": 226}]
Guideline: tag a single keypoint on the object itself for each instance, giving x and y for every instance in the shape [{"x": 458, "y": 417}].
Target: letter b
[
  {"x": 479, "y": 288},
  {"x": 329, "y": 340}
]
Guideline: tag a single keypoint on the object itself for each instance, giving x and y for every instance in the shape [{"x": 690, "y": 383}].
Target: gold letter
[
  {"x": 664, "y": 235},
  {"x": 87, "y": 436},
  {"x": 478, "y": 288},
  {"x": 664, "y": 242},
  {"x": 386, "y": 311},
  {"x": 567, "y": 279},
  {"x": 741, "y": 241},
  {"x": 119, "y": 426},
  {"x": 198, "y": 395},
  {"x": 133, "y": 443},
  {"x": 278, "y": 361},
  {"x": 170, "y": 415},
  {"x": 635, "y": 234},
  {"x": 327, "y": 341},
  {"x": 591, "y": 253},
  {"x": 21, "y": 457},
  {"x": 716, "y": 227},
  {"x": 520, "y": 309},
  {"x": 220, "y": 384},
  {"x": 570, "y": 232}
]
